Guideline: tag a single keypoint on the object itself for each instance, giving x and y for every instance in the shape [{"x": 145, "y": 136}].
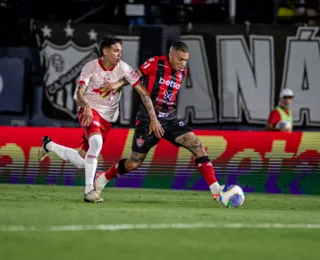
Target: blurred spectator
[
  {"x": 280, "y": 119},
  {"x": 305, "y": 11},
  {"x": 255, "y": 11},
  {"x": 287, "y": 9}
]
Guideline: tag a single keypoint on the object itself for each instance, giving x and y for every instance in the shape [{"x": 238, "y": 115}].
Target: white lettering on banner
[
  {"x": 197, "y": 99},
  {"x": 130, "y": 54},
  {"x": 246, "y": 78},
  {"x": 188, "y": 100},
  {"x": 302, "y": 74}
]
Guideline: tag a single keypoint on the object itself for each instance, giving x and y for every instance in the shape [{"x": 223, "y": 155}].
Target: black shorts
[{"x": 142, "y": 142}]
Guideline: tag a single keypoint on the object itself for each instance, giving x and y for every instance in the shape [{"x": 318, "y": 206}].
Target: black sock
[{"x": 122, "y": 169}]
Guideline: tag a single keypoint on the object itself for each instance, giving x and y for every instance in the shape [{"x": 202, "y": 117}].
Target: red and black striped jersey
[{"x": 163, "y": 84}]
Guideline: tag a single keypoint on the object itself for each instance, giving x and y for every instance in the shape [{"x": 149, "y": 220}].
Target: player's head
[
  {"x": 111, "y": 48},
  {"x": 286, "y": 97},
  {"x": 178, "y": 55}
]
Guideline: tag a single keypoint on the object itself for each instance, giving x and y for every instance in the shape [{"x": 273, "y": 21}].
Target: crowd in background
[{"x": 163, "y": 11}]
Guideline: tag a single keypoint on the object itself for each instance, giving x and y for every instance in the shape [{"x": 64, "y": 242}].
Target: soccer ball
[
  {"x": 284, "y": 124},
  {"x": 232, "y": 196}
]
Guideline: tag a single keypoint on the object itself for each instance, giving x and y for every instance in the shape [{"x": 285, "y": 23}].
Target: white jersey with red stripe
[{"x": 94, "y": 75}]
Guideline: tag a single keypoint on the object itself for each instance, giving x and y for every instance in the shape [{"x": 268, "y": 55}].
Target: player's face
[
  {"x": 286, "y": 101},
  {"x": 178, "y": 60},
  {"x": 113, "y": 54}
]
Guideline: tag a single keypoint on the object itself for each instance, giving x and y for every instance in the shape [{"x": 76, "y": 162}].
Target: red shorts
[{"x": 98, "y": 125}]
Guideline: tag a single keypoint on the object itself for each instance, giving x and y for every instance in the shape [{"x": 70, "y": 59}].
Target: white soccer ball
[
  {"x": 284, "y": 124},
  {"x": 232, "y": 196}
]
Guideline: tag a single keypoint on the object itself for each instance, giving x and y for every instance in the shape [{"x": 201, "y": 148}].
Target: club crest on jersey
[
  {"x": 102, "y": 92},
  {"x": 168, "y": 96},
  {"x": 139, "y": 142},
  {"x": 63, "y": 65}
]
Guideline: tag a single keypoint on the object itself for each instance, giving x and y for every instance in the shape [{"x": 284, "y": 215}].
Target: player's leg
[
  {"x": 90, "y": 195},
  {"x": 95, "y": 142},
  {"x": 181, "y": 135},
  {"x": 122, "y": 167},
  {"x": 94, "y": 137},
  {"x": 67, "y": 154},
  {"x": 142, "y": 142}
]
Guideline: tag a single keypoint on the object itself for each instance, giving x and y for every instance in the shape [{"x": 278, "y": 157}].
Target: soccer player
[
  {"x": 164, "y": 75},
  {"x": 98, "y": 109}
]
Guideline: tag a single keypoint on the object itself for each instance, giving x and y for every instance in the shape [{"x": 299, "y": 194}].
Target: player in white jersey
[{"x": 98, "y": 109}]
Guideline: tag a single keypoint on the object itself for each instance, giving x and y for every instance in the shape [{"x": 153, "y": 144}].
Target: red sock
[
  {"x": 207, "y": 171},
  {"x": 113, "y": 172},
  {"x": 116, "y": 170}
]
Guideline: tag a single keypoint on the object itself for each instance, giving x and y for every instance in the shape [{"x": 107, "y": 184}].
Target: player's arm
[
  {"x": 80, "y": 101},
  {"x": 271, "y": 127},
  {"x": 155, "y": 126},
  {"x": 124, "y": 82},
  {"x": 78, "y": 96},
  {"x": 273, "y": 120},
  {"x": 145, "y": 69},
  {"x": 133, "y": 78}
]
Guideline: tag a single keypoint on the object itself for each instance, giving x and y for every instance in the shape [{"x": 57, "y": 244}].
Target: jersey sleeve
[
  {"x": 86, "y": 74},
  {"x": 149, "y": 66},
  {"x": 274, "y": 117},
  {"x": 130, "y": 75}
]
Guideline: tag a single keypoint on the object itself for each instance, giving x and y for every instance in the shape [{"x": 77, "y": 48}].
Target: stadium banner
[
  {"x": 235, "y": 72},
  {"x": 270, "y": 162},
  {"x": 12, "y": 73}
]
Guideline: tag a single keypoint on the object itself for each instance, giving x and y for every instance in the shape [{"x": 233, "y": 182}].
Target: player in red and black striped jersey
[
  {"x": 163, "y": 83},
  {"x": 163, "y": 77}
]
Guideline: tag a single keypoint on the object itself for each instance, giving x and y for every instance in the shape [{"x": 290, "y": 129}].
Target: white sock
[
  {"x": 215, "y": 188},
  {"x": 67, "y": 154},
  {"x": 91, "y": 161}
]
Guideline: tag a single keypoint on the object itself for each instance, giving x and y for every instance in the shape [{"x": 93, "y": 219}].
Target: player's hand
[
  {"x": 87, "y": 116},
  {"x": 112, "y": 86},
  {"x": 156, "y": 128}
]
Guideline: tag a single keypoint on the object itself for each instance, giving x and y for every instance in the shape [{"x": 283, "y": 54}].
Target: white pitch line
[{"x": 118, "y": 227}]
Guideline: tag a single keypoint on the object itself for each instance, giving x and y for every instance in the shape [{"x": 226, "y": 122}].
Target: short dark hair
[
  {"x": 180, "y": 46},
  {"x": 107, "y": 41}
]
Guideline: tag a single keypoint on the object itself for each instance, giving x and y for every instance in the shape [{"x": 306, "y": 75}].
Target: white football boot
[
  {"x": 100, "y": 182},
  {"x": 216, "y": 195},
  {"x": 92, "y": 197},
  {"x": 43, "y": 152}
]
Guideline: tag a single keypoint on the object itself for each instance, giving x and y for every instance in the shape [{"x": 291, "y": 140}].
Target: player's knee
[
  {"x": 131, "y": 166},
  {"x": 95, "y": 144},
  {"x": 80, "y": 163},
  {"x": 82, "y": 153}
]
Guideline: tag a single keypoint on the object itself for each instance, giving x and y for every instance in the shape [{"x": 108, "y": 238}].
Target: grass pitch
[{"x": 53, "y": 223}]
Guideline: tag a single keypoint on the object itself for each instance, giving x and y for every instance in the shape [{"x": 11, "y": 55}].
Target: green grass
[{"x": 44, "y": 206}]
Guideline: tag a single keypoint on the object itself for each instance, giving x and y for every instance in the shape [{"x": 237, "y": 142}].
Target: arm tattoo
[
  {"x": 78, "y": 96},
  {"x": 146, "y": 100},
  {"x": 136, "y": 157}
]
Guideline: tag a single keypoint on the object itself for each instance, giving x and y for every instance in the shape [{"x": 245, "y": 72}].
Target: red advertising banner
[{"x": 258, "y": 161}]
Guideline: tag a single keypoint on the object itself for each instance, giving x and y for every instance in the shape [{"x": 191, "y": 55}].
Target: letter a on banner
[
  {"x": 301, "y": 74},
  {"x": 246, "y": 78}
]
